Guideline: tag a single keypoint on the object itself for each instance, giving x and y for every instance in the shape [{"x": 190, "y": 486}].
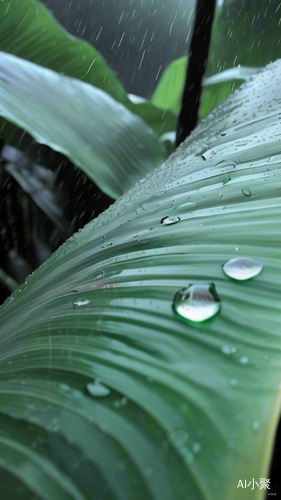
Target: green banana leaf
[
  {"x": 113, "y": 146},
  {"x": 105, "y": 391},
  {"x": 28, "y": 30}
]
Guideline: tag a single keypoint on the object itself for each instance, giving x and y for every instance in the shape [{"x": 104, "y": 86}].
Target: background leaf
[
  {"x": 29, "y": 31},
  {"x": 245, "y": 33},
  {"x": 182, "y": 416},
  {"x": 168, "y": 92},
  {"x": 113, "y": 146}
]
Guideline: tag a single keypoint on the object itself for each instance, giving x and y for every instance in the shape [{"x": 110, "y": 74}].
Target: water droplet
[
  {"x": 187, "y": 207},
  {"x": 177, "y": 437},
  {"x": 227, "y": 165},
  {"x": 196, "y": 447},
  {"x": 242, "y": 268},
  {"x": 197, "y": 303},
  {"x": 256, "y": 425},
  {"x": 220, "y": 195},
  {"x": 124, "y": 401},
  {"x": 246, "y": 191},
  {"x": 244, "y": 360},
  {"x": 266, "y": 357},
  {"x": 79, "y": 303},
  {"x": 167, "y": 221},
  {"x": 97, "y": 389},
  {"x": 227, "y": 349},
  {"x": 233, "y": 381}
]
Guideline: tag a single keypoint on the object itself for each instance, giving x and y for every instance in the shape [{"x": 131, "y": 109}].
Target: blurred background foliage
[{"x": 135, "y": 46}]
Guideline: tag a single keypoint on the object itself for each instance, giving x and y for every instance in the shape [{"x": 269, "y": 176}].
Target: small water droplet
[
  {"x": 187, "y": 207},
  {"x": 266, "y": 357},
  {"x": 79, "y": 303},
  {"x": 227, "y": 349},
  {"x": 197, "y": 303},
  {"x": 124, "y": 401},
  {"x": 167, "y": 221},
  {"x": 177, "y": 437},
  {"x": 242, "y": 268},
  {"x": 220, "y": 195},
  {"x": 256, "y": 425},
  {"x": 97, "y": 389},
  {"x": 196, "y": 447},
  {"x": 233, "y": 381},
  {"x": 227, "y": 165},
  {"x": 244, "y": 360},
  {"x": 246, "y": 191}
]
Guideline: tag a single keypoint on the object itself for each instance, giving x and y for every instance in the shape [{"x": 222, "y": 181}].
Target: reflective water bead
[
  {"x": 167, "y": 221},
  {"x": 97, "y": 389},
  {"x": 79, "y": 303},
  {"x": 246, "y": 191},
  {"x": 197, "y": 303},
  {"x": 242, "y": 268}
]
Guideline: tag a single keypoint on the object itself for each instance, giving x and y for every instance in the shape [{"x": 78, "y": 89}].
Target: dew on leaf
[
  {"x": 244, "y": 360},
  {"x": 242, "y": 268},
  {"x": 256, "y": 425},
  {"x": 167, "y": 221},
  {"x": 187, "y": 207},
  {"x": 197, "y": 303},
  {"x": 79, "y": 303},
  {"x": 97, "y": 389},
  {"x": 196, "y": 447},
  {"x": 177, "y": 437},
  {"x": 246, "y": 191},
  {"x": 227, "y": 349}
]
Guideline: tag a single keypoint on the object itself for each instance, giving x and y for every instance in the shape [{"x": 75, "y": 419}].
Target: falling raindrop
[
  {"x": 246, "y": 191},
  {"x": 167, "y": 221},
  {"x": 97, "y": 389},
  {"x": 242, "y": 268},
  {"x": 197, "y": 303}
]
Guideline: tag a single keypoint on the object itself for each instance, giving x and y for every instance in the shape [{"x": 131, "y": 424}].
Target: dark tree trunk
[{"x": 197, "y": 61}]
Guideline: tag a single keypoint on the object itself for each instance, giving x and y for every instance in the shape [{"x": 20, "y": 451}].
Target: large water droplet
[
  {"x": 197, "y": 303},
  {"x": 167, "y": 221},
  {"x": 242, "y": 268},
  {"x": 79, "y": 303},
  {"x": 246, "y": 191},
  {"x": 97, "y": 389},
  {"x": 177, "y": 437}
]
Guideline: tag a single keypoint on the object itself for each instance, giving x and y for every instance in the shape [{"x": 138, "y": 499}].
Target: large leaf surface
[
  {"x": 112, "y": 145},
  {"x": 186, "y": 412},
  {"x": 28, "y": 30}
]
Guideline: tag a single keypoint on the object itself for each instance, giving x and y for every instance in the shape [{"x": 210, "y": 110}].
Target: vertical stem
[{"x": 197, "y": 61}]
